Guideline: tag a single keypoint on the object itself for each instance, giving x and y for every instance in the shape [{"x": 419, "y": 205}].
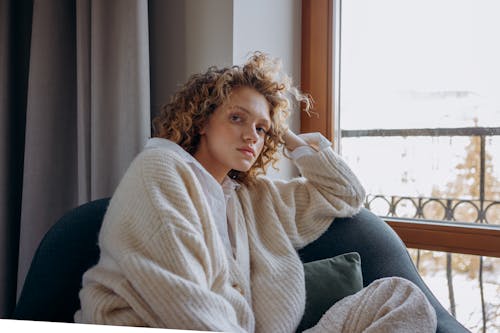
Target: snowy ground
[{"x": 468, "y": 299}]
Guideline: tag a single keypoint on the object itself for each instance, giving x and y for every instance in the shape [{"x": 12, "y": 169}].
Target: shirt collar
[{"x": 229, "y": 185}]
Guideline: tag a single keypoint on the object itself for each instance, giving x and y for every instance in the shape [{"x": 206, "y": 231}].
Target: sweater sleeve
[
  {"x": 161, "y": 264},
  {"x": 306, "y": 206}
]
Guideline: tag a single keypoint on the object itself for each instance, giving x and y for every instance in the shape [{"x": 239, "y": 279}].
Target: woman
[{"x": 195, "y": 237}]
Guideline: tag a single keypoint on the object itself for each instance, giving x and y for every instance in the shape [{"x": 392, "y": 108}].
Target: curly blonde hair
[{"x": 182, "y": 118}]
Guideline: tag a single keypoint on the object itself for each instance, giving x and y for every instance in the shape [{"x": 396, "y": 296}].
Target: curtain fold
[
  {"x": 83, "y": 98},
  {"x": 120, "y": 109},
  {"x": 15, "y": 36},
  {"x": 74, "y": 112},
  {"x": 49, "y": 152}
]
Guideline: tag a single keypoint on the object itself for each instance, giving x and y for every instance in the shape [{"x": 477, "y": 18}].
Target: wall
[
  {"x": 187, "y": 37},
  {"x": 209, "y": 36},
  {"x": 202, "y": 33}
]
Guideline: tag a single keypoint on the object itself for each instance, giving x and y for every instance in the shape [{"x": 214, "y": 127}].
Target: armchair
[{"x": 50, "y": 291}]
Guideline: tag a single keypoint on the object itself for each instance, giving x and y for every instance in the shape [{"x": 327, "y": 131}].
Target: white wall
[{"x": 271, "y": 26}]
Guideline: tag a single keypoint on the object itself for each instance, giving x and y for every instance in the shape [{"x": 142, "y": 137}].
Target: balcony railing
[
  {"x": 432, "y": 209},
  {"x": 415, "y": 209},
  {"x": 478, "y": 205},
  {"x": 456, "y": 211},
  {"x": 481, "y": 205}
]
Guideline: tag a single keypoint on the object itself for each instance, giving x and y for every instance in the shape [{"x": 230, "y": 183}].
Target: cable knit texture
[
  {"x": 386, "y": 305},
  {"x": 163, "y": 263}
]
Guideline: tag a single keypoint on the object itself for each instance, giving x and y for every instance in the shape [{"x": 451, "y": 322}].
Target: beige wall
[{"x": 209, "y": 34}]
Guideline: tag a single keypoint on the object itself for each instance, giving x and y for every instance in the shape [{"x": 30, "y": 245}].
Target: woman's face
[{"x": 234, "y": 134}]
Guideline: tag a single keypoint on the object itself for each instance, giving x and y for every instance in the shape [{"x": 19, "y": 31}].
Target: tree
[{"x": 467, "y": 182}]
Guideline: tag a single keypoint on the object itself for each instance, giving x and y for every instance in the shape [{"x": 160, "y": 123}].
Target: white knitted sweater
[{"x": 163, "y": 263}]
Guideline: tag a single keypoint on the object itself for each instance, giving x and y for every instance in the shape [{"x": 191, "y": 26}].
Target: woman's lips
[{"x": 247, "y": 151}]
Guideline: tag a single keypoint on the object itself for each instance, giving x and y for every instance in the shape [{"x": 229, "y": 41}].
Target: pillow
[{"x": 328, "y": 281}]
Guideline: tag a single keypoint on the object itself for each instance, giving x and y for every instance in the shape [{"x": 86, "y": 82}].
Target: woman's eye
[
  {"x": 235, "y": 118},
  {"x": 261, "y": 130}
]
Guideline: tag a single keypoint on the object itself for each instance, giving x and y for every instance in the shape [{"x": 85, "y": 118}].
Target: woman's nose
[{"x": 250, "y": 134}]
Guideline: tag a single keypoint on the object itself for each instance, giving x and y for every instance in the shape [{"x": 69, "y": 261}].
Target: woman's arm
[
  {"x": 310, "y": 151},
  {"x": 327, "y": 188}
]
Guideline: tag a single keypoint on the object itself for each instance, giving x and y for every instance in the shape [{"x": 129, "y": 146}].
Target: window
[
  {"x": 426, "y": 76},
  {"x": 409, "y": 91}
]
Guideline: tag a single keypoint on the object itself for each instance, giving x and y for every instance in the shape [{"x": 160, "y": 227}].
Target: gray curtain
[{"x": 75, "y": 107}]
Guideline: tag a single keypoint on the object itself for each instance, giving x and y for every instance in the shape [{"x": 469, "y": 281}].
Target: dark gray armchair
[{"x": 50, "y": 292}]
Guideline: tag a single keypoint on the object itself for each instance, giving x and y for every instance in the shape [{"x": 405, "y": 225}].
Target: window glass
[
  {"x": 466, "y": 285},
  {"x": 422, "y": 65},
  {"x": 418, "y": 64},
  {"x": 419, "y": 110}
]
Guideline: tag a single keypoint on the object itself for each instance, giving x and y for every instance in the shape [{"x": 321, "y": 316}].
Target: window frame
[{"x": 319, "y": 68}]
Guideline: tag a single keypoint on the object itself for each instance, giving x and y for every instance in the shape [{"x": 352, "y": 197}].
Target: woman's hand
[{"x": 293, "y": 141}]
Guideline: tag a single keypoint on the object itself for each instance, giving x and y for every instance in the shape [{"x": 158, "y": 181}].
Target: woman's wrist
[{"x": 293, "y": 141}]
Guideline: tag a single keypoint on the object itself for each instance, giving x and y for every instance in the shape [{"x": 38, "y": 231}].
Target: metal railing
[
  {"x": 430, "y": 208},
  {"x": 481, "y": 132},
  {"x": 450, "y": 209},
  {"x": 416, "y": 206}
]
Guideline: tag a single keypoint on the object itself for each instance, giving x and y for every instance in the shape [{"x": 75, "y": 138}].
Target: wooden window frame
[
  {"x": 316, "y": 65},
  {"x": 318, "y": 80}
]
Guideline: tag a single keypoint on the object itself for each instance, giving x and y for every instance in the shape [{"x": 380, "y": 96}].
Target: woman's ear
[
  {"x": 204, "y": 126},
  {"x": 203, "y": 129}
]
